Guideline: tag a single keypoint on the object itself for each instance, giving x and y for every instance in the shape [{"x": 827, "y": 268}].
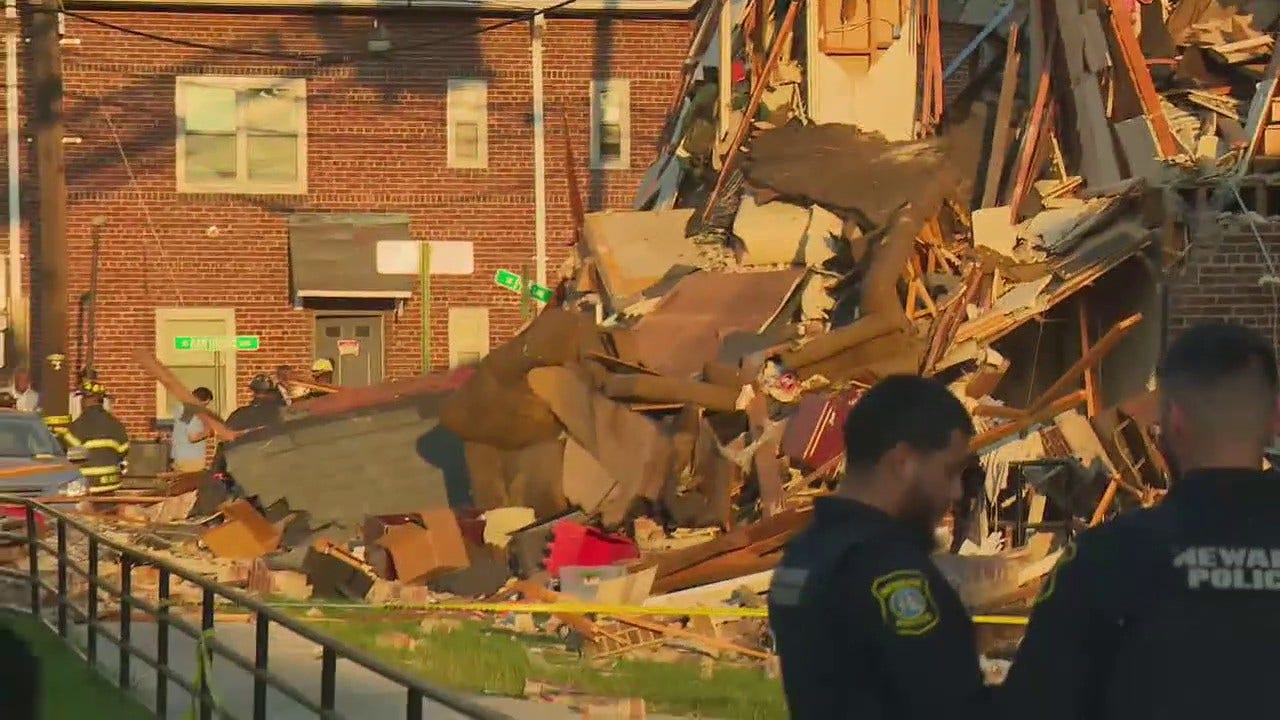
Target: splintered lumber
[
  {"x": 101, "y": 500},
  {"x": 1136, "y": 65},
  {"x": 1108, "y": 497},
  {"x": 156, "y": 369},
  {"x": 769, "y": 472},
  {"x": 882, "y": 310},
  {"x": 1093, "y": 394},
  {"x": 1038, "y": 120},
  {"x": 1004, "y": 110},
  {"x": 1088, "y": 359},
  {"x": 701, "y": 639},
  {"x": 783, "y": 524},
  {"x": 539, "y": 594},
  {"x": 995, "y": 435},
  {"x": 760, "y": 84}
]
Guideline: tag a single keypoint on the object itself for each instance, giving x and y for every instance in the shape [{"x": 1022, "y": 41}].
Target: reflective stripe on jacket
[{"x": 106, "y": 443}]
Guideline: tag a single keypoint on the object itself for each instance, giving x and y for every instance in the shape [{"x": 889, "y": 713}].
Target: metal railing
[{"x": 37, "y": 519}]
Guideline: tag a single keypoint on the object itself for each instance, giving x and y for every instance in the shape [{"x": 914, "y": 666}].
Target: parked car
[{"x": 33, "y": 463}]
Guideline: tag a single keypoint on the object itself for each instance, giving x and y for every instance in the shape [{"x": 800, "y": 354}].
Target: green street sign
[
  {"x": 514, "y": 283},
  {"x": 508, "y": 280},
  {"x": 213, "y": 344},
  {"x": 540, "y": 293},
  {"x": 201, "y": 344}
]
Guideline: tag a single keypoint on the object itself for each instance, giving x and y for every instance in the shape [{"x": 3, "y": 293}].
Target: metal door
[{"x": 354, "y": 345}]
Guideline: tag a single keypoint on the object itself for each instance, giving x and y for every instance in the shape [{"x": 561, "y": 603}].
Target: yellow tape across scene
[{"x": 594, "y": 609}]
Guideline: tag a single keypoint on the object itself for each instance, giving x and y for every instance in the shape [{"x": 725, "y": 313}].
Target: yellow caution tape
[
  {"x": 594, "y": 609},
  {"x": 203, "y": 679}
]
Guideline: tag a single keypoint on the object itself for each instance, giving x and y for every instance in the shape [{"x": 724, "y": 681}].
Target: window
[
  {"x": 610, "y": 124},
  {"x": 211, "y": 360},
  {"x": 468, "y": 124},
  {"x": 241, "y": 135},
  {"x": 468, "y": 335}
]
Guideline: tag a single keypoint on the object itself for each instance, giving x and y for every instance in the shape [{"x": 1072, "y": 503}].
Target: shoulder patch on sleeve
[
  {"x": 906, "y": 602},
  {"x": 1051, "y": 582},
  {"x": 786, "y": 588}
]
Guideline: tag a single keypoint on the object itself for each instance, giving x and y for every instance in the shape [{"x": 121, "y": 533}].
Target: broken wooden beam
[{"x": 1089, "y": 359}]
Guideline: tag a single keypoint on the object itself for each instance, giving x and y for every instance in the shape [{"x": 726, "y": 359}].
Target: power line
[{"x": 322, "y": 59}]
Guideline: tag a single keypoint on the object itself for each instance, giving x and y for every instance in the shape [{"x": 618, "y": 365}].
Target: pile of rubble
[{"x": 656, "y": 435}]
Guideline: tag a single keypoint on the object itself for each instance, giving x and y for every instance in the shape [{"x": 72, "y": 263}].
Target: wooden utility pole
[{"x": 50, "y": 279}]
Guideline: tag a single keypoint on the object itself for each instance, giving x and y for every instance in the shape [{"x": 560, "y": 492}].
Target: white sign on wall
[{"x": 448, "y": 257}]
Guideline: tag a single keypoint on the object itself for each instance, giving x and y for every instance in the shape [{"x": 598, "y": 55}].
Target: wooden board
[
  {"x": 1098, "y": 163},
  {"x": 1139, "y": 148},
  {"x": 1135, "y": 64},
  {"x": 1004, "y": 110}
]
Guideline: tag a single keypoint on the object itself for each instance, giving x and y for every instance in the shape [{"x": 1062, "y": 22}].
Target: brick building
[{"x": 260, "y": 171}]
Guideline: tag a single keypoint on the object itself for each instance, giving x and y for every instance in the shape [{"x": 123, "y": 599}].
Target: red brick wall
[
  {"x": 376, "y": 143},
  {"x": 955, "y": 37},
  {"x": 1220, "y": 282}
]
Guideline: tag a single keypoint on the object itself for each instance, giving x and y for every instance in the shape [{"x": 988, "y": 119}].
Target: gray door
[{"x": 354, "y": 345}]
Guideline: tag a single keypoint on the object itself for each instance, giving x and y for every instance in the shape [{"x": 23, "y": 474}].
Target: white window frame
[
  {"x": 623, "y": 89},
  {"x": 242, "y": 185},
  {"x": 455, "y": 113},
  {"x": 227, "y": 316},
  {"x": 468, "y": 315}
]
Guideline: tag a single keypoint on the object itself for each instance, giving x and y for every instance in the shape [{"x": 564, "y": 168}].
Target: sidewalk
[{"x": 361, "y": 694}]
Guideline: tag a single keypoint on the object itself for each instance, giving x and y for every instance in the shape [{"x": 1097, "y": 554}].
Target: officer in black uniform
[
  {"x": 103, "y": 437},
  {"x": 866, "y": 626},
  {"x": 1174, "y": 612}
]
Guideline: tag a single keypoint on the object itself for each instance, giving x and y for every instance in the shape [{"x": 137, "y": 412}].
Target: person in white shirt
[{"x": 28, "y": 400}]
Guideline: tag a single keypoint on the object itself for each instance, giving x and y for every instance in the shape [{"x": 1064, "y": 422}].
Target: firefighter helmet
[{"x": 262, "y": 383}]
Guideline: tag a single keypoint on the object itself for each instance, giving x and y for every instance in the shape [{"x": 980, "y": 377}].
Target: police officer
[
  {"x": 866, "y": 626},
  {"x": 103, "y": 437},
  {"x": 1174, "y": 612}
]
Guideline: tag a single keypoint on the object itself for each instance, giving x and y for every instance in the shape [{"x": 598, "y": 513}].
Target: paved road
[{"x": 361, "y": 694}]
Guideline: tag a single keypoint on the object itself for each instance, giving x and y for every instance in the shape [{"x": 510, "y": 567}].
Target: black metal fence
[{"x": 37, "y": 520}]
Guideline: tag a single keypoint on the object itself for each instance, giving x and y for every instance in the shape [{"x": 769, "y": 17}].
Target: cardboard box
[
  {"x": 1271, "y": 141},
  {"x": 446, "y": 535},
  {"x": 426, "y": 551},
  {"x": 244, "y": 535}
]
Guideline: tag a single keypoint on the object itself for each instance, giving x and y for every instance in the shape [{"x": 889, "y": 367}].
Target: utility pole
[{"x": 50, "y": 279}]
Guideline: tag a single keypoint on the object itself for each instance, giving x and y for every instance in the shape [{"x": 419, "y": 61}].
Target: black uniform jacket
[
  {"x": 106, "y": 445},
  {"x": 1168, "y": 613},
  {"x": 253, "y": 415},
  {"x": 866, "y": 626}
]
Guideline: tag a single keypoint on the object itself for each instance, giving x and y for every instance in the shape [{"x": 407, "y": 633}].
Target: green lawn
[
  {"x": 479, "y": 658},
  {"x": 70, "y": 690}
]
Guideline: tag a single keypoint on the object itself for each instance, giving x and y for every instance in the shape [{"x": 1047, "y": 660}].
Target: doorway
[{"x": 354, "y": 344}]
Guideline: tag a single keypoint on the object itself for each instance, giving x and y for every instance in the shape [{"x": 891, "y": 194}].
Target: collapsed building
[{"x": 667, "y": 419}]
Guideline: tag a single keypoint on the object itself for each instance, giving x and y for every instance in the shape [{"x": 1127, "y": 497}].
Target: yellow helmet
[{"x": 322, "y": 366}]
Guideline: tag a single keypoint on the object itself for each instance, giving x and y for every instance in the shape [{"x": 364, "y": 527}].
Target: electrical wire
[
  {"x": 326, "y": 59},
  {"x": 1270, "y": 279},
  {"x": 146, "y": 211}
]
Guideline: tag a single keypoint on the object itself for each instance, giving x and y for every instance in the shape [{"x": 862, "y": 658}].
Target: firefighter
[
  {"x": 322, "y": 373},
  {"x": 103, "y": 437},
  {"x": 264, "y": 409}
]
